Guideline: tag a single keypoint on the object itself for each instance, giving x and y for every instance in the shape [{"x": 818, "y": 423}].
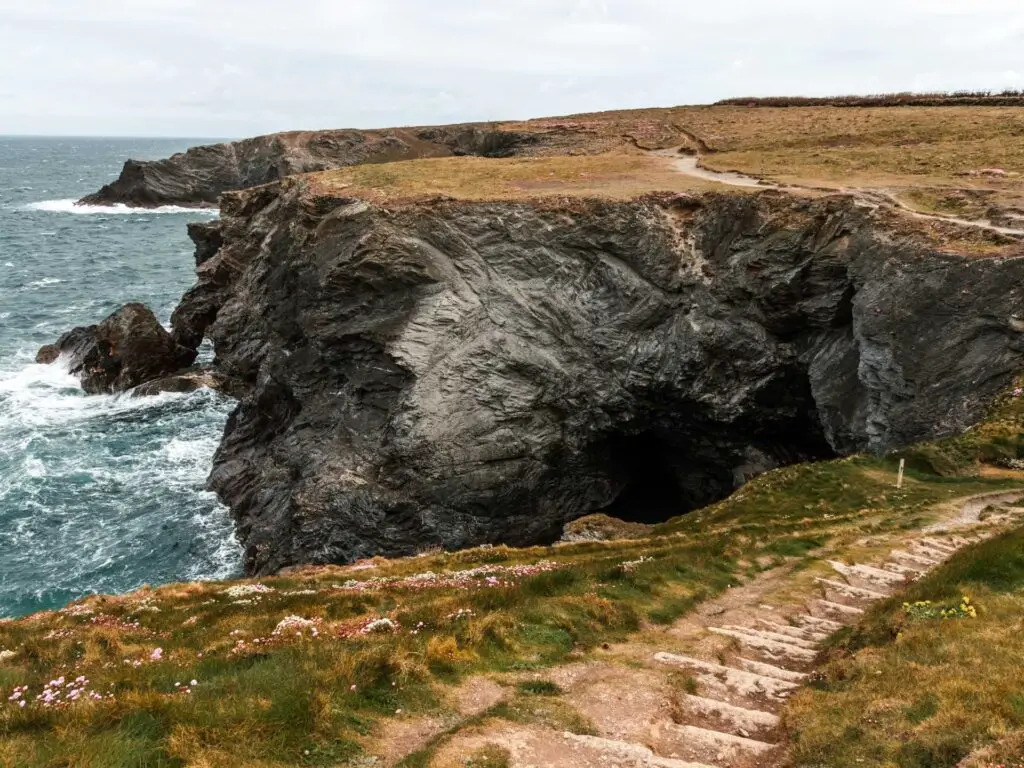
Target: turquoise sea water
[{"x": 97, "y": 493}]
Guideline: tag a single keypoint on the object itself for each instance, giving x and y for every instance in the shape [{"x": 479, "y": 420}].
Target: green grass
[
  {"x": 489, "y": 757},
  {"x": 539, "y": 688},
  {"x": 295, "y": 699}
]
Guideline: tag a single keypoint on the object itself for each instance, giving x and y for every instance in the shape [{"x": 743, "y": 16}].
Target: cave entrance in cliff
[{"x": 654, "y": 490}]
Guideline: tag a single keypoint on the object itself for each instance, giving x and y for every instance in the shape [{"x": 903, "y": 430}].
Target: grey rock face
[
  {"x": 125, "y": 350},
  {"x": 198, "y": 176},
  {"x": 457, "y": 373}
]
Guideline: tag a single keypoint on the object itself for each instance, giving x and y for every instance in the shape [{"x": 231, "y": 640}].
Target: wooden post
[{"x": 899, "y": 478}]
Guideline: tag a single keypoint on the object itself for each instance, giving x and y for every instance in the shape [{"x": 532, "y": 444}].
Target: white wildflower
[
  {"x": 243, "y": 590},
  {"x": 296, "y": 624},
  {"x": 379, "y": 625}
]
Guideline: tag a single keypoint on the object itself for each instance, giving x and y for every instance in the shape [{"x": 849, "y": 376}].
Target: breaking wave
[
  {"x": 105, "y": 493},
  {"x": 118, "y": 209}
]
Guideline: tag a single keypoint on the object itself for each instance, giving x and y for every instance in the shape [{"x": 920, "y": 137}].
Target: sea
[{"x": 98, "y": 494}]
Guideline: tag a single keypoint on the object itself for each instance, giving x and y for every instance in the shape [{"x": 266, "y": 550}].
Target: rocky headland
[
  {"x": 458, "y": 351},
  {"x": 198, "y": 176}
]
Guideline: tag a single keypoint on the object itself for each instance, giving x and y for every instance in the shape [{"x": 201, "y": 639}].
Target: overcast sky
[{"x": 226, "y": 68}]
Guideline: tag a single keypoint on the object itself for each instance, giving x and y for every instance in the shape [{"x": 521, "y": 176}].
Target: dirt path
[
  {"x": 689, "y": 165},
  {"x": 708, "y": 691},
  {"x": 684, "y": 161}
]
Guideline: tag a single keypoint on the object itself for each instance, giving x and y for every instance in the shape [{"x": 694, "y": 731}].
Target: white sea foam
[
  {"x": 46, "y": 395},
  {"x": 89, "y": 480},
  {"x": 44, "y": 282},
  {"x": 118, "y": 209}
]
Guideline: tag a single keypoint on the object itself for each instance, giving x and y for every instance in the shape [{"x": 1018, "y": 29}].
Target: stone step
[
  {"x": 748, "y": 685},
  {"x": 611, "y": 753},
  {"x": 945, "y": 544},
  {"x": 962, "y": 541},
  {"x": 836, "y": 610},
  {"x": 691, "y": 742},
  {"x": 868, "y": 577},
  {"x": 848, "y": 590},
  {"x": 718, "y": 716},
  {"x": 767, "y": 670},
  {"x": 918, "y": 562},
  {"x": 938, "y": 555},
  {"x": 804, "y": 633},
  {"x": 782, "y": 638},
  {"x": 771, "y": 648},
  {"x": 908, "y": 571},
  {"x": 817, "y": 623}
]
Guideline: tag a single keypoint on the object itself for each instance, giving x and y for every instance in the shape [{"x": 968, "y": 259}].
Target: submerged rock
[
  {"x": 452, "y": 373},
  {"x": 188, "y": 381},
  {"x": 127, "y": 349}
]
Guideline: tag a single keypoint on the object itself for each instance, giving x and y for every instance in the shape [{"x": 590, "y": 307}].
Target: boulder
[{"x": 127, "y": 349}]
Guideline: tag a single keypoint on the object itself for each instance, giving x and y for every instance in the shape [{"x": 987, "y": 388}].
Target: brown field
[
  {"x": 957, "y": 160},
  {"x": 615, "y": 175}
]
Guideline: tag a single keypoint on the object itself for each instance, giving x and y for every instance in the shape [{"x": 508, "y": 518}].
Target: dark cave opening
[
  {"x": 684, "y": 460},
  {"x": 653, "y": 491}
]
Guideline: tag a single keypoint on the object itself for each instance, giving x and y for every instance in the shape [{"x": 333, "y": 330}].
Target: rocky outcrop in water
[
  {"x": 127, "y": 349},
  {"x": 454, "y": 373},
  {"x": 200, "y": 175}
]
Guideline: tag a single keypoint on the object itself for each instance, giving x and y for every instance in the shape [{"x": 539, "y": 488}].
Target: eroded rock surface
[
  {"x": 127, "y": 349},
  {"x": 457, "y": 373}
]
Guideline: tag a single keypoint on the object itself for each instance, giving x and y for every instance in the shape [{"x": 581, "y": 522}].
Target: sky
[{"x": 232, "y": 68}]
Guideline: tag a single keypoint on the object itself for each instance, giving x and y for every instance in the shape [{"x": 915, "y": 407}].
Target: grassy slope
[
  {"x": 617, "y": 176},
  {"x": 927, "y": 157},
  {"x": 908, "y": 145},
  {"x": 296, "y": 699}
]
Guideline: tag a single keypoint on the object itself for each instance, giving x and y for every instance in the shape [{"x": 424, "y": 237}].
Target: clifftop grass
[
  {"x": 958, "y": 161},
  {"x": 905, "y": 149},
  {"x": 309, "y": 668},
  {"x": 617, "y": 176}
]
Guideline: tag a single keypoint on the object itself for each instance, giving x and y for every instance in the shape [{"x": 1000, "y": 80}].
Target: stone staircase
[
  {"x": 729, "y": 714},
  {"x": 732, "y": 719}
]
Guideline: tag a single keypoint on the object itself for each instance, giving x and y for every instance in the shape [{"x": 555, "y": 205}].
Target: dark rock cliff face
[
  {"x": 200, "y": 175},
  {"x": 456, "y": 373}
]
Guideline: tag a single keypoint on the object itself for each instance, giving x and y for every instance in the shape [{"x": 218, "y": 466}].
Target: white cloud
[{"x": 241, "y": 67}]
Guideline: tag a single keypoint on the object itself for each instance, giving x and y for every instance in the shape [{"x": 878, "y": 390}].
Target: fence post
[{"x": 899, "y": 478}]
